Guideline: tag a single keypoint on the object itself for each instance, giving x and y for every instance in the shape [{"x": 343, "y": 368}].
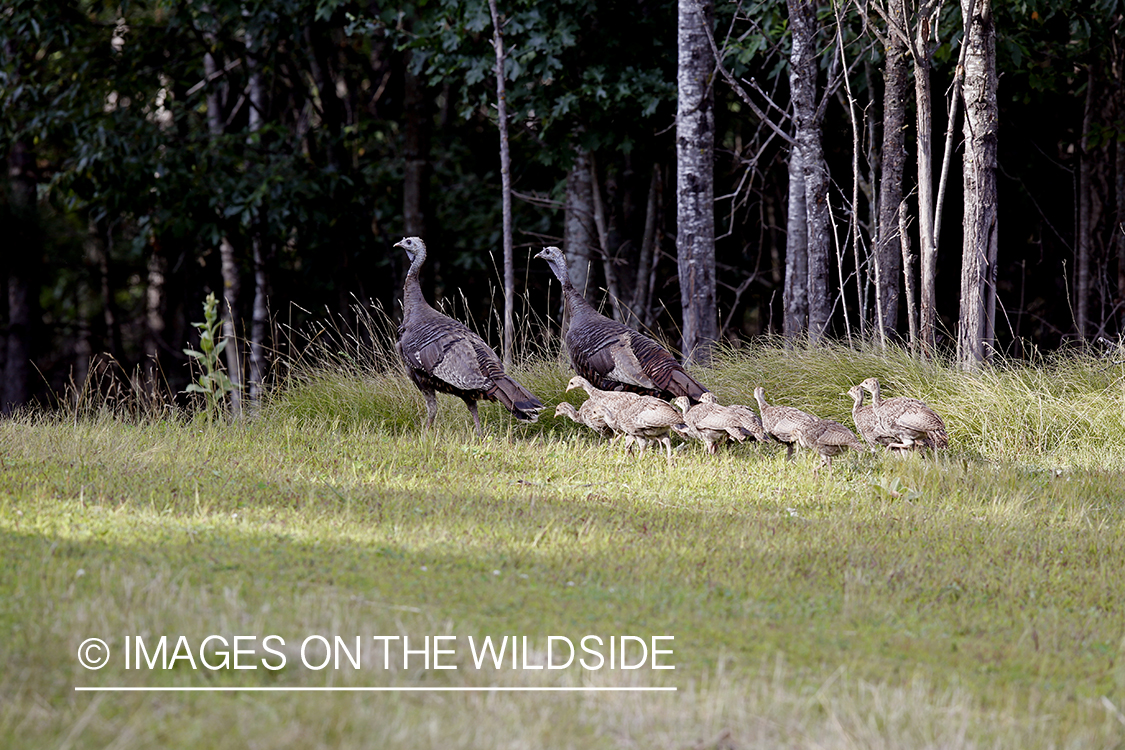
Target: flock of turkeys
[{"x": 637, "y": 391}]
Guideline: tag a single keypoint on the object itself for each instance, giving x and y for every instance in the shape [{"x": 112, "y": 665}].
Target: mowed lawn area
[{"x": 972, "y": 599}]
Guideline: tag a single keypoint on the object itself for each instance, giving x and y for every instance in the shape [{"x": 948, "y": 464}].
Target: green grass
[{"x": 972, "y": 600}]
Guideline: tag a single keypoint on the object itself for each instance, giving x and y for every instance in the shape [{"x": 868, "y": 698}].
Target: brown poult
[
  {"x": 912, "y": 422},
  {"x": 710, "y": 423},
  {"x": 649, "y": 418},
  {"x": 607, "y": 404},
  {"x": 746, "y": 417},
  {"x": 866, "y": 422},
  {"x": 780, "y": 421},
  {"x": 826, "y": 437},
  {"x": 589, "y": 415}
]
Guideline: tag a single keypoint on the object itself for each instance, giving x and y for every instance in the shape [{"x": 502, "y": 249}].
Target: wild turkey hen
[
  {"x": 612, "y": 356},
  {"x": 442, "y": 354}
]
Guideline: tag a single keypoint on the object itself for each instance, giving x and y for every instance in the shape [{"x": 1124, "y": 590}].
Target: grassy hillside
[{"x": 971, "y": 600}]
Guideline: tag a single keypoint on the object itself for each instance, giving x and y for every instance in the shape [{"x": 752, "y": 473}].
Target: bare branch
[{"x": 734, "y": 84}]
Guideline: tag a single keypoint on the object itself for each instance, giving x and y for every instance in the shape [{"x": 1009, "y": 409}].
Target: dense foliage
[{"x": 143, "y": 160}]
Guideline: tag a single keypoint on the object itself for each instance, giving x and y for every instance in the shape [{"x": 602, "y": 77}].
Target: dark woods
[{"x": 273, "y": 152}]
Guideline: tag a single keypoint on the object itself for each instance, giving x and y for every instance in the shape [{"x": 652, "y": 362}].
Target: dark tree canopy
[{"x": 137, "y": 138}]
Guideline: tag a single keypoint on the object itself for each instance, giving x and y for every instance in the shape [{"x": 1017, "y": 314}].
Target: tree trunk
[
  {"x": 908, "y": 277},
  {"x": 695, "y": 182},
  {"x": 232, "y": 286},
  {"x": 615, "y": 302},
  {"x": 506, "y": 187},
  {"x": 259, "y": 325},
  {"x": 259, "y": 314},
  {"x": 24, "y": 251},
  {"x": 228, "y": 264},
  {"x": 1119, "y": 191},
  {"x": 416, "y": 152},
  {"x": 951, "y": 127},
  {"x": 657, "y": 251},
  {"x": 803, "y": 68},
  {"x": 640, "y": 302},
  {"x": 1085, "y": 211},
  {"x": 154, "y": 314},
  {"x": 922, "y": 56},
  {"x": 578, "y": 228},
  {"x": 795, "y": 298},
  {"x": 888, "y": 255},
  {"x": 978, "y": 258}
]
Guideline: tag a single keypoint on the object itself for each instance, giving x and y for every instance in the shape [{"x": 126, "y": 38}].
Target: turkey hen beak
[{"x": 409, "y": 255}]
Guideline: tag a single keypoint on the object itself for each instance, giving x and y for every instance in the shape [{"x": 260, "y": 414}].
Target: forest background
[{"x": 272, "y": 152}]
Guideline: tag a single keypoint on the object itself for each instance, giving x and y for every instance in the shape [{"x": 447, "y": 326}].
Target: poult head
[
  {"x": 708, "y": 398},
  {"x": 578, "y": 382},
  {"x": 871, "y": 385},
  {"x": 856, "y": 392},
  {"x": 566, "y": 409},
  {"x": 760, "y": 395},
  {"x": 683, "y": 403}
]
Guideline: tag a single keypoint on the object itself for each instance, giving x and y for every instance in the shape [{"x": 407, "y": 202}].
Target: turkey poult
[
  {"x": 826, "y": 437},
  {"x": 866, "y": 422},
  {"x": 588, "y": 415},
  {"x": 442, "y": 354},
  {"x": 746, "y": 417},
  {"x": 649, "y": 418},
  {"x": 606, "y": 403},
  {"x": 606, "y": 400},
  {"x": 910, "y": 421},
  {"x": 612, "y": 356},
  {"x": 711, "y": 423},
  {"x": 780, "y": 421}
]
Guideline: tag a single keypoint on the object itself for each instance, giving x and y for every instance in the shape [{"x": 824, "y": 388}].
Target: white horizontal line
[{"x": 263, "y": 689}]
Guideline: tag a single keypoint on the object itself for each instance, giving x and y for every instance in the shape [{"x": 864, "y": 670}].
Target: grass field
[{"x": 973, "y": 600}]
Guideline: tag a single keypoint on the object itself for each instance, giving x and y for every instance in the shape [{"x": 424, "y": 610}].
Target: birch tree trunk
[
  {"x": 259, "y": 316},
  {"x": 795, "y": 298},
  {"x": 924, "y": 100},
  {"x": 695, "y": 188},
  {"x": 154, "y": 314},
  {"x": 888, "y": 255},
  {"x": 228, "y": 263},
  {"x": 908, "y": 277},
  {"x": 506, "y": 187},
  {"x": 978, "y": 257},
  {"x": 803, "y": 66}
]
